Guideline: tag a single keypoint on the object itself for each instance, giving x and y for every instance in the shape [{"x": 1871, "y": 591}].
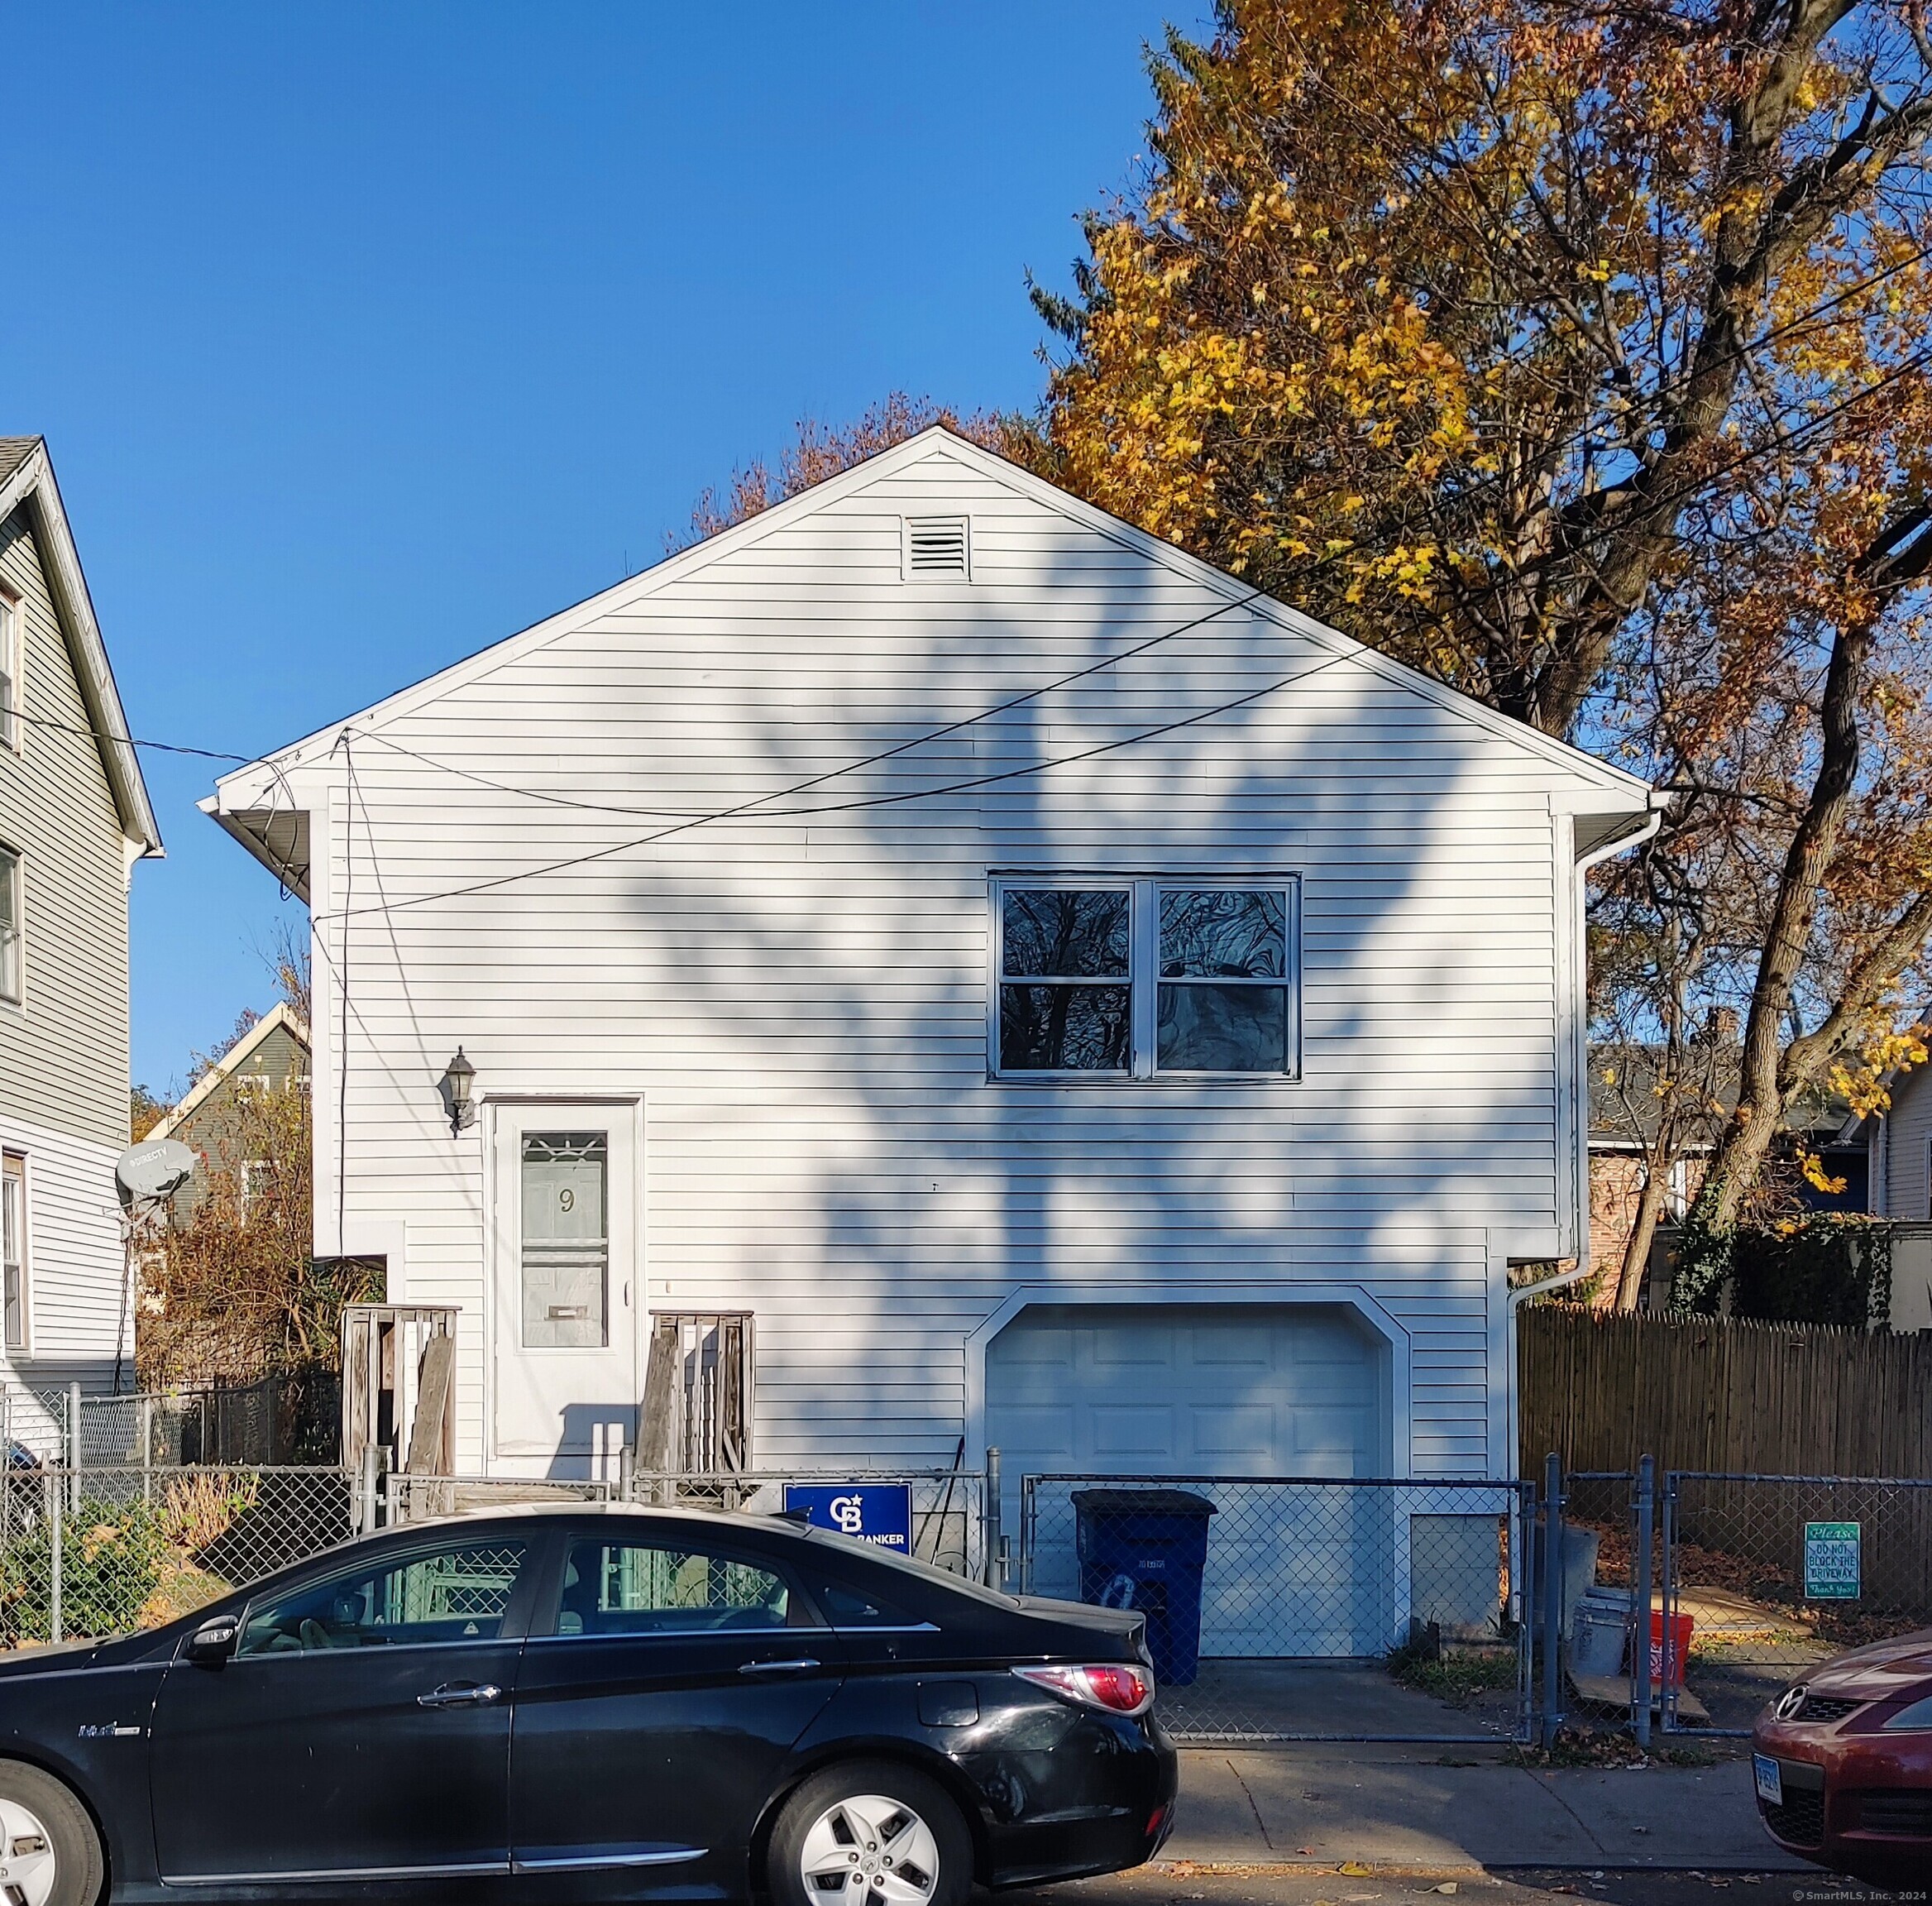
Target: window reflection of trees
[
  {"x": 1071, "y": 934},
  {"x": 1223, "y": 934}
]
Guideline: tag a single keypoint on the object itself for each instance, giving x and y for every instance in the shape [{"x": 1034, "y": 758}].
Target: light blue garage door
[{"x": 1227, "y": 1391}]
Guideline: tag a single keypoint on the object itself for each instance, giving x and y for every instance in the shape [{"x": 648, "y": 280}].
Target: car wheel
[
  {"x": 50, "y": 1853},
  {"x": 870, "y": 1834}
]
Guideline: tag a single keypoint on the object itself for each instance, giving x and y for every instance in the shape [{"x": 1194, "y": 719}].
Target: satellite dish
[{"x": 158, "y": 1168}]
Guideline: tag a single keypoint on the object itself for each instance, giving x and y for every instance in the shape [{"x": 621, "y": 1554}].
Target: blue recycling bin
[{"x": 1146, "y": 1549}]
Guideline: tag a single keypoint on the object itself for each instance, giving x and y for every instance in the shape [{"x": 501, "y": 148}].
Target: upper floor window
[
  {"x": 12, "y": 641},
  {"x": 1146, "y": 978},
  {"x": 10, "y": 927}
]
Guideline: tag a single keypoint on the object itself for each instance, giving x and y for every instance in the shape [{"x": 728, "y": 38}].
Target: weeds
[{"x": 1454, "y": 1676}]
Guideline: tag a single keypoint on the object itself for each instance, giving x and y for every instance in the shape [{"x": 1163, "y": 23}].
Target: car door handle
[
  {"x": 460, "y": 1694},
  {"x": 802, "y": 1666}
]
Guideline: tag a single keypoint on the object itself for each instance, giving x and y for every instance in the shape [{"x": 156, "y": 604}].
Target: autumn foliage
[{"x": 1574, "y": 354}]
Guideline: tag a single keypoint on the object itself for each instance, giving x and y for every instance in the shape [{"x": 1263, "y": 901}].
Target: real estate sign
[
  {"x": 1832, "y": 1561},
  {"x": 880, "y": 1513}
]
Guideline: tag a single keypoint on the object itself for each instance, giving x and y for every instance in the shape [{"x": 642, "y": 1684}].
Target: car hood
[{"x": 1872, "y": 1673}]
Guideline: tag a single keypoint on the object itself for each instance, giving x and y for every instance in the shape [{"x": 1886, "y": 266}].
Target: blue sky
[{"x": 364, "y": 335}]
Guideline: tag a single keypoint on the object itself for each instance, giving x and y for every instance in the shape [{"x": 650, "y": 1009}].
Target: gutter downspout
[{"x": 1621, "y": 844}]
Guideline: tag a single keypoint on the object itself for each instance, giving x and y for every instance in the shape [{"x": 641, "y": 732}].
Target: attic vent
[{"x": 937, "y": 546}]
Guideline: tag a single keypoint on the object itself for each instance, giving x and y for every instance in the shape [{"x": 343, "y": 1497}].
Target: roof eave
[{"x": 32, "y": 485}]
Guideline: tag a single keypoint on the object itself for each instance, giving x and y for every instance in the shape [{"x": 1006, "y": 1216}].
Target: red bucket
[{"x": 1667, "y": 1663}]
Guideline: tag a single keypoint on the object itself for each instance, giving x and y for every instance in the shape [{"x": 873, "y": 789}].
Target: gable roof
[
  {"x": 26, "y": 478},
  {"x": 1626, "y": 792},
  {"x": 233, "y": 1063}
]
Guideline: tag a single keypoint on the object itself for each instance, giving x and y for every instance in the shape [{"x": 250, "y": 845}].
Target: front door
[
  {"x": 360, "y": 1731},
  {"x": 567, "y": 1275}
]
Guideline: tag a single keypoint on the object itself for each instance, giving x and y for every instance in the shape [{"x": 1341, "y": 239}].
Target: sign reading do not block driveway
[
  {"x": 1832, "y": 1561},
  {"x": 880, "y": 1513}
]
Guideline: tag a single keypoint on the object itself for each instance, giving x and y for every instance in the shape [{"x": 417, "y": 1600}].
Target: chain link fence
[
  {"x": 1279, "y": 1575},
  {"x": 1762, "y": 1578},
  {"x": 280, "y": 1420},
  {"x": 1262, "y": 1595},
  {"x": 91, "y": 1553}
]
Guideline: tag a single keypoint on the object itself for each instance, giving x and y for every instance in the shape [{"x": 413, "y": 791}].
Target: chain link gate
[
  {"x": 1295, "y": 1573},
  {"x": 1765, "y": 1577}
]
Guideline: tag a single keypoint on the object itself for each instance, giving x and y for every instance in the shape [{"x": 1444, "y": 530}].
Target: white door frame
[
  {"x": 1348, "y": 1296},
  {"x": 489, "y": 1129}
]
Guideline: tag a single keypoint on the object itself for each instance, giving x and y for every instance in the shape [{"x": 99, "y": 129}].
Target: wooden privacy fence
[{"x": 1721, "y": 1394}]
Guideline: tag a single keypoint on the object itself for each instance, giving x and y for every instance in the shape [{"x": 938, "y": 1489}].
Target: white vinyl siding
[
  {"x": 801, "y": 1003},
  {"x": 64, "y": 1063},
  {"x": 74, "y": 1263}
]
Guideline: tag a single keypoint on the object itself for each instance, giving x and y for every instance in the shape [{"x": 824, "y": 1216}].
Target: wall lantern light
[{"x": 458, "y": 1077}]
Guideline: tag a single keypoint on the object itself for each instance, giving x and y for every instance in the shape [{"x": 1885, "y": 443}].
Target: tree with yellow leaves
[{"x": 1572, "y": 353}]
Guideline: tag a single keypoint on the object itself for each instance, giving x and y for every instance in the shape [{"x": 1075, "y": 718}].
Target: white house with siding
[
  {"x": 1038, "y": 991},
  {"x": 74, "y": 817}
]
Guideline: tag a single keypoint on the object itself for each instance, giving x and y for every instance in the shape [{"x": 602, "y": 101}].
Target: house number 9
[{"x": 566, "y": 1199}]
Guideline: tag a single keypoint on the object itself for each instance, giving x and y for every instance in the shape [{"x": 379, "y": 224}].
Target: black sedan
[{"x": 587, "y": 1703}]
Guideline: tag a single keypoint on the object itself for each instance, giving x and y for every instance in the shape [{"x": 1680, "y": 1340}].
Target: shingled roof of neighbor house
[{"x": 14, "y": 450}]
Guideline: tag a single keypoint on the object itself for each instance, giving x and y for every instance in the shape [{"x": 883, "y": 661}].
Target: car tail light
[{"x": 1114, "y": 1687}]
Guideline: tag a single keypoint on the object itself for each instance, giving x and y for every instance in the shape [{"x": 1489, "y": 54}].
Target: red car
[{"x": 1843, "y": 1763}]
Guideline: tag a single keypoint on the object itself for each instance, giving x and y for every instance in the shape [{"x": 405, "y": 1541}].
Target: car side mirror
[{"x": 213, "y": 1642}]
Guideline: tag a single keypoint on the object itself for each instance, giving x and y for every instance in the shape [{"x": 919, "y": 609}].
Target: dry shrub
[{"x": 198, "y": 1509}]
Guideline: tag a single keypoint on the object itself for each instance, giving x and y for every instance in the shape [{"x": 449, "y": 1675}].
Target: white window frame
[
  {"x": 1144, "y": 982},
  {"x": 13, "y": 934},
  {"x": 13, "y": 1172},
  {"x": 12, "y": 665}
]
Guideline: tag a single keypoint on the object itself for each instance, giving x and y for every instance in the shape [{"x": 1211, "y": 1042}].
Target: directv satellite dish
[{"x": 158, "y": 1168}]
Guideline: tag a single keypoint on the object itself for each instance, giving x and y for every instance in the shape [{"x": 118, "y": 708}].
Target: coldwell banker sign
[{"x": 880, "y": 1513}]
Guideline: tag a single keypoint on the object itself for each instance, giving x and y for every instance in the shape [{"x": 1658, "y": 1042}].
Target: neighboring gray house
[
  {"x": 1901, "y": 1142},
  {"x": 272, "y": 1056},
  {"x": 74, "y": 817}
]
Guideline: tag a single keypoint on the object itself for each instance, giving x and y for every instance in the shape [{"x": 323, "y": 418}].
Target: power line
[
  {"x": 1781, "y": 444},
  {"x": 129, "y": 740},
  {"x": 849, "y": 807},
  {"x": 686, "y": 822},
  {"x": 804, "y": 786},
  {"x": 1562, "y": 447}
]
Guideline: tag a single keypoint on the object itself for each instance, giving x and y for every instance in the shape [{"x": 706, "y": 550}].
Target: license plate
[{"x": 1771, "y": 1780}]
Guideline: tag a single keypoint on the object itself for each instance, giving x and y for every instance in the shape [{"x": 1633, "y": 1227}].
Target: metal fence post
[
  {"x": 145, "y": 1428},
  {"x": 1552, "y": 1609},
  {"x": 1667, "y": 1595},
  {"x": 74, "y": 1455},
  {"x": 366, "y": 1491},
  {"x": 56, "y": 1509},
  {"x": 1640, "y": 1600},
  {"x": 989, "y": 1524}
]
